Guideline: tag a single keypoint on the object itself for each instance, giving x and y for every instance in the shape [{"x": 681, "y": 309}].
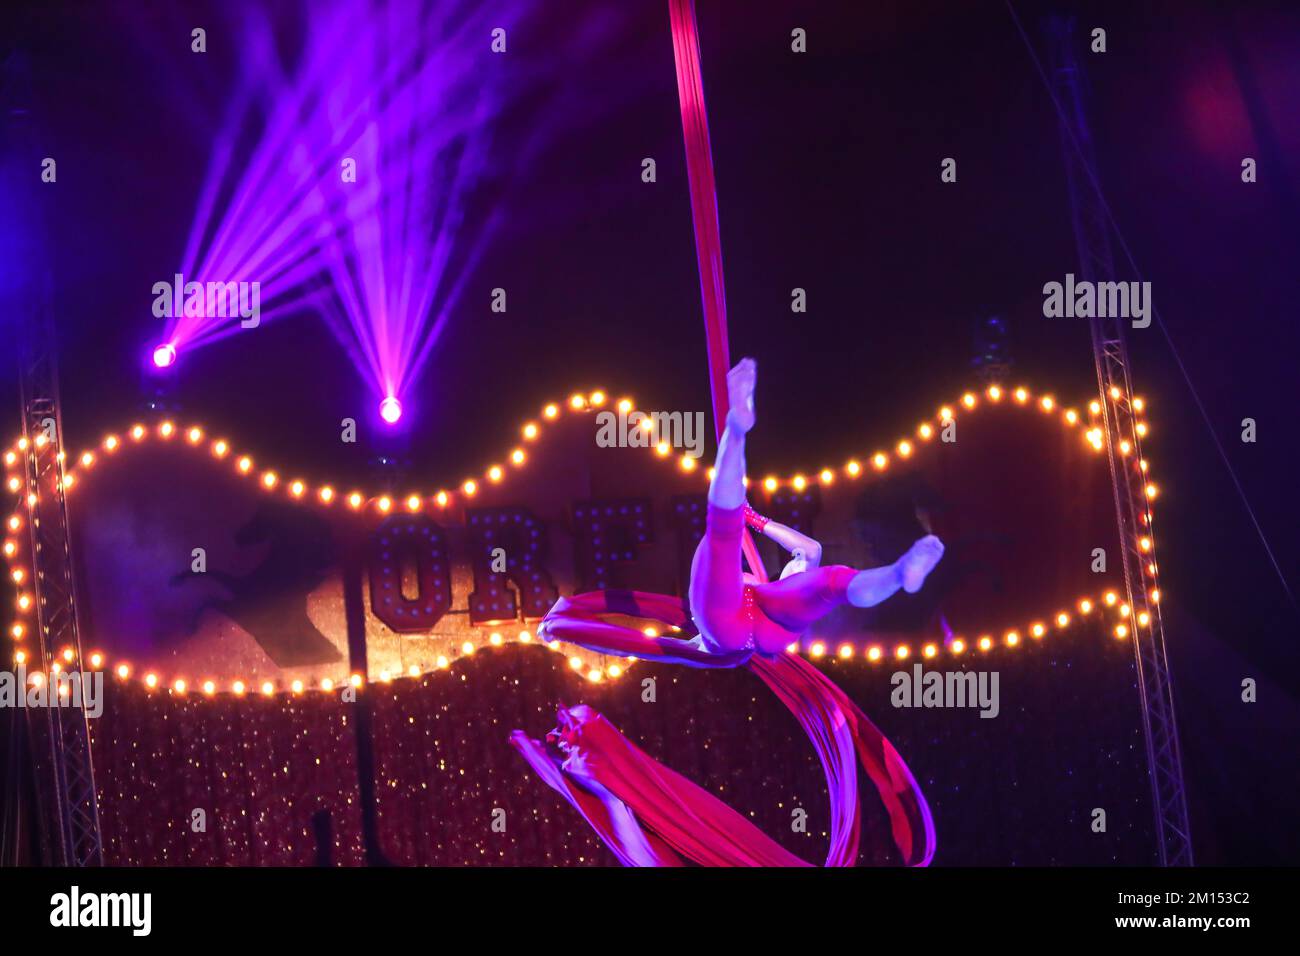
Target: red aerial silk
[{"x": 650, "y": 815}]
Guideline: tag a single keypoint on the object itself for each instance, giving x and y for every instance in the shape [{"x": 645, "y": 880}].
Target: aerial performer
[
  {"x": 648, "y": 814},
  {"x": 734, "y": 610}
]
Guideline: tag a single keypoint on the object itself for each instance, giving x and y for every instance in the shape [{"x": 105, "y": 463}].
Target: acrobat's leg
[
  {"x": 717, "y": 590},
  {"x": 727, "y": 488},
  {"x": 868, "y": 588}
]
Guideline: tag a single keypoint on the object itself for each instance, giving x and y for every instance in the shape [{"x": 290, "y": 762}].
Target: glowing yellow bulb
[
  {"x": 1141, "y": 429},
  {"x": 442, "y": 662},
  {"x": 245, "y": 464},
  {"x": 111, "y": 443},
  {"x": 1152, "y": 491},
  {"x": 209, "y": 688},
  {"x": 297, "y": 488},
  {"x": 968, "y": 400},
  {"x": 662, "y": 449},
  {"x": 799, "y": 482},
  {"x": 525, "y": 637},
  {"x": 904, "y": 448},
  {"x": 14, "y": 484},
  {"x": 326, "y": 494},
  {"x": 10, "y": 458},
  {"x": 220, "y": 449},
  {"x": 268, "y": 688},
  {"x": 87, "y": 459},
  {"x": 597, "y": 398},
  {"x": 1047, "y": 403},
  {"x": 594, "y": 675},
  {"x": 355, "y": 500},
  {"x": 239, "y": 687},
  {"x": 326, "y": 684},
  {"x": 356, "y": 680},
  {"x": 1062, "y": 619},
  {"x": 195, "y": 435},
  {"x": 15, "y": 523},
  {"x": 166, "y": 429},
  {"x": 945, "y": 413},
  {"x": 384, "y": 504},
  {"x": 575, "y": 663},
  {"x": 929, "y": 650},
  {"x": 296, "y": 687},
  {"x": 769, "y": 483},
  {"x": 576, "y": 402},
  {"x": 1121, "y": 631},
  {"x": 925, "y": 431},
  {"x": 874, "y": 653},
  {"x": 826, "y": 476},
  {"x": 530, "y": 431},
  {"x": 467, "y": 648},
  {"x": 123, "y": 671},
  {"x": 1115, "y": 392},
  {"x": 10, "y": 548},
  {"x": 1144, "y": 618},
  {"x": 1110, "y": 597},
  {"x": 550, "y": 411},
  {"x": 1022, "y": 395},
  {"x": 1071, "y": 416},
  {"x": 688, "y": 463},
  {"x": 495, "y": 473},
  {"x": 495, "y": 640},
  {"x": 958, "y": 646},
  {"x": 469, "y": 487},
  {"x": 413, "y": 503},
  {"x": 151, "y": 681},
  {"x": 1124, "y": 446},
  {"x": 24, "y": 602},
  {"x": 1094, "y": 407},
  {"x": 853, "y": 468},
  {"x": 985, "y": 643},
  {"x": 1155, "y": 595},
  {"x": 517, "y": 456},
  {"x": 17, "y": 631},
  {"x": 1138, "y": 404},
  {"x": 614, "y": 670},
  {"x": 1144, "y": 544},
  {"x": 818, "y": 649},
  {"x": 1012, "y": 638},
  {"x": 995, "y": 393},
  {"x": 1037, "y": 630},
  {"x": 269, "y": 479},
  {"x": 441, "y": 498},
  {"x": 902, "y": 652},
  {"x": 1085, "y": 606},
  {"x": 879, "y": 461}
]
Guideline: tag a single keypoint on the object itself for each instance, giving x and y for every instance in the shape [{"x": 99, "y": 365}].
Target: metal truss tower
[
  {"x": 1120, "y": 421},
  {"x": 65, "y": 783}
]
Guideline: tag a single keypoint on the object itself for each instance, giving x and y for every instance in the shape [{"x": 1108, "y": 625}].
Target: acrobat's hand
[
  {"x": 919, "y": 561},
  {"x": 740, "y": 394}
]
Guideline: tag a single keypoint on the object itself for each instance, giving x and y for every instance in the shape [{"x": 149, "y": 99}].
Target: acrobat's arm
[{"x": 799, "y": 545}]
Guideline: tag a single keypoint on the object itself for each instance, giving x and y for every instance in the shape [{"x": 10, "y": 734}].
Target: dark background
[{"x": 827, "y": 169}]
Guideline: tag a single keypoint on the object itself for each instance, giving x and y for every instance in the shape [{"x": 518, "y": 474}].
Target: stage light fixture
[
  {"x": 390, "y": 410},
  {"x": 164, "y": 355}
]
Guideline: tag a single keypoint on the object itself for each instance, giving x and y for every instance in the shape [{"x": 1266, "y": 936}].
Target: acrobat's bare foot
[
  {"x": 740, "y": 393},
  {"x": 919, "y": 561}
]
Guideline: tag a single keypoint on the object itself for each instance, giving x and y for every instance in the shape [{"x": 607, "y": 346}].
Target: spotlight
[
  {"x": 164, "y": 356},
  {"x": 390, "y": 410}
]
